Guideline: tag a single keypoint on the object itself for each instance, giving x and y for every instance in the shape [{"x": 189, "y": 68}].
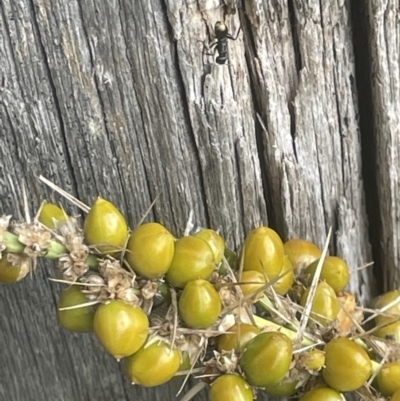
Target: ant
[{"x": 221, "y": 41}]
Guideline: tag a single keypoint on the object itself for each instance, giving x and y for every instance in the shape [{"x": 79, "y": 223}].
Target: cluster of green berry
[{"x": 275, "y": 318}]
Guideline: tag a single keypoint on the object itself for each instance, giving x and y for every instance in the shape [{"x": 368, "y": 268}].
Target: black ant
[{"x": 221, "y": 41}]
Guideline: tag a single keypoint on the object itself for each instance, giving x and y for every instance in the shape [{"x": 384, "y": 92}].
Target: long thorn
[
  {"x": 313, "y": 288},
  {"x": 80, "y": 305}
]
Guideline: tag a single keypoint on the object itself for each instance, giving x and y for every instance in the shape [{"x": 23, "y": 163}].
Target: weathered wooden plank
[
  {"x": 118, "y": 98},
  {"x": 222, "y": 121},
  {"x": 385, "y": 70},
  {"x": 311, "y": 137},
  {"x": 101, "y": 92}
]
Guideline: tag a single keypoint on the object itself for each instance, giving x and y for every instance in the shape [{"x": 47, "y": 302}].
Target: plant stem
[
  {"x": 54, "y": 251},
  {"x": 12, "y": 244}
]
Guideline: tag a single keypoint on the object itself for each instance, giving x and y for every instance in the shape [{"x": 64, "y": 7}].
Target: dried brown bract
[
  {"x": 120, "y": 283},
  {"x": 35, "y": 238},
  {"x": 20, "y": 261},
  {"x": 72, "y": 264},
  {"x": 4, "y": 223}
]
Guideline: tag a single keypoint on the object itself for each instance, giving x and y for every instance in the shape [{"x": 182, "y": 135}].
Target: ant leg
[
  {"x": 213, "y": 44},
  {"x": 229, "y": 36}
]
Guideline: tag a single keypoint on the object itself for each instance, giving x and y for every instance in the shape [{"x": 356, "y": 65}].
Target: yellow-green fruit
[
  {"x": 154, "y": 364},
  {"x": 392, "y": 329},
  {"x": 266, "y": 359},
  {"x": 347, "y": 365},
  {"x": 334, "y": 271},
  {"x": 230, "y": 387},
  {"x": 10, "y": 274},
  {"x": 165, "y": 292},
  {"x": 312, "y": 360},
  {"x": 193, "y": 259},
  {"x": 396, "y": 396},
  {"x": 301, "y": 253},
  {"x": 50, "y": 213},
  {"x": 185, "y": 361},
  {"x": 120, "y": 328},
  {"x": 284, "y": 284},
  {"x": 325, "y": 306},
  {"x": 185, "y": 365},
  {"x": 77, "y": 319},
  {"x": 285, "y": 388},
  {"x": 150, "y": 250},
  {"x": 105, "y": 227},
  {"x": 252, "y": 281},
  {"x": 215, "y": 241},
  {"x": 263, "y": 251},
  {"x": 231, "y": 258},
  {"x": 322, "y": 394},
  {"x": 389, "y": 378},
  {"x": 199, "y": 304},
  {"x": 297, "y": 291},
  {"x": 237, "y": 337}
]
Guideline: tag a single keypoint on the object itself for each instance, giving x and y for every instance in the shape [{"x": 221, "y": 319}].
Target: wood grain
[
  {"x": 384, "y": 39},
  {"x": 120, "y": 99}
]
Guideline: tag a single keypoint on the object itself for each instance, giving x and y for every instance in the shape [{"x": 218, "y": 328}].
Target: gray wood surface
[
  {"x": 385, "y": 67},
  {"x": 120, "y": 99}
]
